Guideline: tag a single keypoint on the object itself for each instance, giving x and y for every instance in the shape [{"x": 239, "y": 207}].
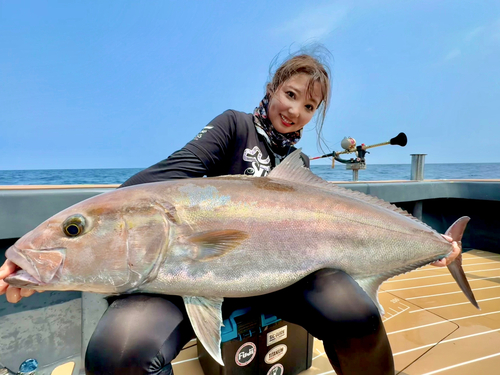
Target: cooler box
[{"x": 254, "y": 343}]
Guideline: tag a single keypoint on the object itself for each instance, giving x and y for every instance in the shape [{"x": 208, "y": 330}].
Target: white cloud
[
  {"x": 470, "y": 39},
  {"x": 313, "y": 23},
  {"x": 453, "y": 54},
  {"x": 469, "y": 36},
  {"x": 487, "y": 34}
]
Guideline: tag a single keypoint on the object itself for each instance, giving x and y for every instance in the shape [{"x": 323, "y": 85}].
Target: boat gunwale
[{"x": 111, "y": 186}]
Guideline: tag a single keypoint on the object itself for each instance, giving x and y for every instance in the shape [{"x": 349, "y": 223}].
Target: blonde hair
[{"x": 319, "y": 72}]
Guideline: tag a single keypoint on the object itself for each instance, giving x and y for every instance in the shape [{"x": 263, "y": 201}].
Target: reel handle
[{"x": 399, "y": 140}]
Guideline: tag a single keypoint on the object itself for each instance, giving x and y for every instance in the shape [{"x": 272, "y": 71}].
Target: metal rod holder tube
[
  {"x": 417, "y": 167},
  {"x": 418, "y": 209}
]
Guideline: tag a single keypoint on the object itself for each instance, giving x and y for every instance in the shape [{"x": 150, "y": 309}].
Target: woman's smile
[{"x": 286, "y": 121}]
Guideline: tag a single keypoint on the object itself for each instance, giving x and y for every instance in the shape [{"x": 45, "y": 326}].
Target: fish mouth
[
  {"x": 22, "y": 279},
  {"x": 34, "y": 271}
]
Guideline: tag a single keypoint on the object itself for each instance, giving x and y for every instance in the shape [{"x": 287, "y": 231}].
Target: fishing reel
[
  {"x": 358, "y": 162},
  {"x": 349, "y": 146}
]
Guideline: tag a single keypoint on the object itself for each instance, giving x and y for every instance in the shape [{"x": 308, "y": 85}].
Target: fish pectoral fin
[
  {"x": 371, "y": 285},
  {"x": 206, "y": 318},
  {"x": 216, "y": 243}
]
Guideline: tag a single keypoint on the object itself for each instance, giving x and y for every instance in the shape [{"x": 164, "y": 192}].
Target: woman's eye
[
  {"x": 290, "y": 94},
  {"x": 310, "y": 107}
]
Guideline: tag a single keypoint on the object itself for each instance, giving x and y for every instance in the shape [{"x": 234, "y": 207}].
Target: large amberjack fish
[{"x": 232, "y": 236}]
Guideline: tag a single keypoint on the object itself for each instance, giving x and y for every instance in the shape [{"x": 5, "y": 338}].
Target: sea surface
[{"x": 373, "y": 172}]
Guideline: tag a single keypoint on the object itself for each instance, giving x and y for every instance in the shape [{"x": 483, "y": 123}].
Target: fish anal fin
[
  {"x": 206, "y": 318},
  {"x": 216, "y": 243},
  {"x": 371, "y": 286}
]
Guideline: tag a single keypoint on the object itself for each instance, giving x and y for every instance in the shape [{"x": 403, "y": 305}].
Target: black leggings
[{"x": 142, "y": 334}]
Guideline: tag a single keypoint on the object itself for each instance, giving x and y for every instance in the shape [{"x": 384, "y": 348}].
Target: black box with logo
[{"x": 254, "y": 343}]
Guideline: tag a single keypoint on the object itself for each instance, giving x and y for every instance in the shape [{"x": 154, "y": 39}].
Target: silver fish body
[{"x": 292, "y": 230}]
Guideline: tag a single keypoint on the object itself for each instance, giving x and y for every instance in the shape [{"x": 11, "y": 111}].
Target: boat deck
[{"x": 432, "y": 327}]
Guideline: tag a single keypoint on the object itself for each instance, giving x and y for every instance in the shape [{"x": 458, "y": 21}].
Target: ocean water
[{"x": 375, "y": 172}]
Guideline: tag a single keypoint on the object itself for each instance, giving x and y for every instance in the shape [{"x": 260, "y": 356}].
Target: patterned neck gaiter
[{"x": 279, "y": 143}]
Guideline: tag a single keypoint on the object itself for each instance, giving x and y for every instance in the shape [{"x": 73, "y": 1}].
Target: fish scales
[{"x": 326, "y": 230}]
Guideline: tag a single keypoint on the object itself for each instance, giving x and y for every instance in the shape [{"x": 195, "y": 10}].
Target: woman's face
[{"x": 290, "y": 108}]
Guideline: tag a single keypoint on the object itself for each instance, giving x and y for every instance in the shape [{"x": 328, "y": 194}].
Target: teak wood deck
[{"x": 432, "y": 327}]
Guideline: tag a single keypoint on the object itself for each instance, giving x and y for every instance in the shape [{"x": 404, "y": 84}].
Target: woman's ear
[{"x": 269, "y": 92}]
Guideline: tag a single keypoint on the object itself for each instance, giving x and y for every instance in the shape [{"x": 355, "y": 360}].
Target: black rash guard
[{"x": 229, "y": 144}]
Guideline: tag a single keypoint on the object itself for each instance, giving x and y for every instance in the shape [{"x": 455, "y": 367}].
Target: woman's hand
[
  {"x": 456, "y": 252},
  {"x": 14, "y": 295}
]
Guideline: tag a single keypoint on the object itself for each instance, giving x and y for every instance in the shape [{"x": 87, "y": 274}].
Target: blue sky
[{"x": 116, "y": 84}]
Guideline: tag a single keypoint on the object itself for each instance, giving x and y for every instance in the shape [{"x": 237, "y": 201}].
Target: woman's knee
[
  {"x": 138, "y": 334},
  {"x": 366, "y": 322},
  {"x": 340, "y": 305}
]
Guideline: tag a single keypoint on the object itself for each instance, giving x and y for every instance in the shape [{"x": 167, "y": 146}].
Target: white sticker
[
  {"x": 277, "y": 369},
  {"x": 277, "y": 335},
  {"x": 275, "y": 354},
  {"x": 203, "y": 131},
  {"x": 245, "y": 354}
]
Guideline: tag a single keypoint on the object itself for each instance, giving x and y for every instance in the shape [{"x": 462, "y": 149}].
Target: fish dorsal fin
[
  {"x": 206, "y": 318},
  {"x": 292, "y": 170},
  {"x": 215, "y": 243}
]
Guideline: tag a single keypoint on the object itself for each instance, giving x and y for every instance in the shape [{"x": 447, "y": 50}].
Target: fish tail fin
[{"x": 456, "y": 231}]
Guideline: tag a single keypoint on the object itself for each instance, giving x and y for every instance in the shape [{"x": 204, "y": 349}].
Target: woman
[{"x": 142, "y": 334}]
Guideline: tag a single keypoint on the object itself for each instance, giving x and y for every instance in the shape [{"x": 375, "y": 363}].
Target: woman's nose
[{"x": 293, "y": 111}]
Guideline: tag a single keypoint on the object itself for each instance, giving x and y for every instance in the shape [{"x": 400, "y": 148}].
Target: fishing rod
[{"x": 349, "y": 146}]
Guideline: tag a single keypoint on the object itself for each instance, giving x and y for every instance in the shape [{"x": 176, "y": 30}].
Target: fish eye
[{"x": 74, "y": 225}]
